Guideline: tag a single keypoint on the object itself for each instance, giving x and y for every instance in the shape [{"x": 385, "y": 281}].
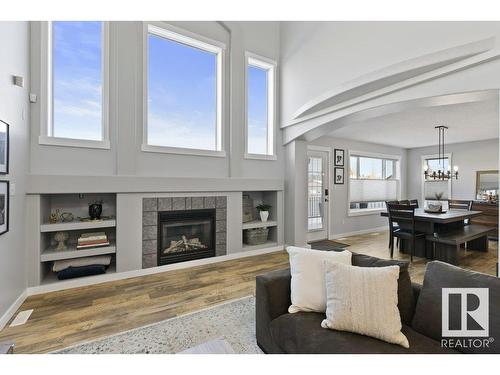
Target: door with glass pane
[{"x": 317, "y": 191}]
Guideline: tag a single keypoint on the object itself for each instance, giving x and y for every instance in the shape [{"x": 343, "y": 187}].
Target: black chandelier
[{"x": 441, "y": 174}]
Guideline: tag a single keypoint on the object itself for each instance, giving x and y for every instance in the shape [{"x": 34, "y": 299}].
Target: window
[
  {"x": 436, "y": 189},
  {"x": 260, "y": 98},
  {"x": 373, "y": 180},
  {"x": 184, "y": 94},
  {"x": 76, "y": 86}
]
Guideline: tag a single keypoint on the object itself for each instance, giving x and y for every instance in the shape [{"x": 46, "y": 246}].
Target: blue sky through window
[
  {"x": 77, "y": 79},
  {"x": 182, "y": 95},
  {"x": 257, "y": 110}
]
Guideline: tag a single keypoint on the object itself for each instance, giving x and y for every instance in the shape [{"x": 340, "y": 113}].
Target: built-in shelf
[
  {"x": 77, "y": 225},
  {"x": 265, "y": 245},
  {"x": 51, "y": 277},
  {"x": 259, "y": 224},
  {"x": 51, "y": 254}
]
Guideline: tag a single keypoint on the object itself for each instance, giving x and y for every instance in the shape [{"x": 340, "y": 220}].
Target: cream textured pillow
[
  {"x": 364, "y": 300},
  {"x": 308, "y": 292}
]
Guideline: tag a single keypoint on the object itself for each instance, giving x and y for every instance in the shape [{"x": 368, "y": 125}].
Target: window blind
[
  {"x": 431, "y": 188},
  {"x": 373, "y": 190}
]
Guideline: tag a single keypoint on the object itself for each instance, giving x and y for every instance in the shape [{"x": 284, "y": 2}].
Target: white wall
[
  {"x": 320, "y": 56},
  {"x": 14, "y": 39},
  {"x": 126, "y": 112},
  {"x": 470, "y": 158},
  {"x": 341, "y": 223}
]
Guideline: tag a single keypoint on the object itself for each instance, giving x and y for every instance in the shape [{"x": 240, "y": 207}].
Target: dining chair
[
  {"x": 404, "y": 215},
  {"x": 405, "y": 201},
  {"x": 460, "y": 204},
  {"x": 414, "y": 202},
  {"x": 392, "y": 227}
]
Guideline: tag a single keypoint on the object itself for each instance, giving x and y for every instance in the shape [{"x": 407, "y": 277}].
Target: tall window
[
  {"x": 435, "y": 189},
  {"x": 259, "y": 107},
  {"x": 76, "y": 81},
  {"x": 372, "y": 182},
  {"x": 184, "y": 84}
]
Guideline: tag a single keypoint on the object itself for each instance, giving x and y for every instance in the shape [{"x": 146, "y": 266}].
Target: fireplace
[{"x": 185, "y": 235}]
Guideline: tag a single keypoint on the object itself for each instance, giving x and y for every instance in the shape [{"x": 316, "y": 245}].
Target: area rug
[
  {"x": 328, "y": 245},
  {"x": 233, "y": 321}
]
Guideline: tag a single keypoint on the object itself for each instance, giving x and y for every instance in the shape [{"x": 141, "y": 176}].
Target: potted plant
[{"x": 264, "y": 211}]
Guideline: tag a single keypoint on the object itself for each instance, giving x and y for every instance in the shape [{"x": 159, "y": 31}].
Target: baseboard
[
  {"x": 12, "y": 309},
  {"x": 358, "y": 232},
  {"x": 92, "y": 280}
]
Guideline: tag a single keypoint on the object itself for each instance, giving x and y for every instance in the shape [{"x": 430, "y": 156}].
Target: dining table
[{"x": 439, "y": 223}]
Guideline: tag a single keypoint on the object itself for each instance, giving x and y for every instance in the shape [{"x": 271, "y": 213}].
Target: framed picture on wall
[
  {"x": 4, "y": 147},
  {"x": 339, "y": 157},
  {"x": 4, "y": 207},
  {"x": 339, "y": 176}
]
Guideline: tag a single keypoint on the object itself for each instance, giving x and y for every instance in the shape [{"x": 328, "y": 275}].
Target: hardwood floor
[{"x": 68, "y": 317}]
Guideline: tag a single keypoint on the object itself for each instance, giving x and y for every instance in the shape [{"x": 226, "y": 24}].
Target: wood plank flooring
[{"x": 68, "y": 317}]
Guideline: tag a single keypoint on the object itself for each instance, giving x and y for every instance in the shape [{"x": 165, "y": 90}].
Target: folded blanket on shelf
[
  {"x": 72, "y": 272},
  {"x": 60, "y": 265}
]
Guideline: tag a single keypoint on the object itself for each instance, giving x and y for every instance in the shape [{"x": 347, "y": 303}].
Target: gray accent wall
[
  {"x": 125, "y": 157},
  {"x": 14, "y": 109}
]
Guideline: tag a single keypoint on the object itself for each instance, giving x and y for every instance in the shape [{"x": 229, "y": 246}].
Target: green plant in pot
[{"x": 263, "y": 211}]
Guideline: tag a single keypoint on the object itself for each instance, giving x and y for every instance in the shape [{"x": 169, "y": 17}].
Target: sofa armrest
[
  {"x": 417, "y": 288},
  {"x": 272, "y": 299}
]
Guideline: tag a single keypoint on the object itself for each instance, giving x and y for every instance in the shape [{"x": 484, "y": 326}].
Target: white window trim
[
  {"x": 270, "y": 66},
  {"x": 423, "y": 158},
  {"x": 176, "y": 34},
  {"x": 347, "y": 166},
  {"x": 46, "y": 99}
]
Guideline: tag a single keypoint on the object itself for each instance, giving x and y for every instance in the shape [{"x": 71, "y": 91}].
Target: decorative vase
[
  {"x": 61, "y": 238},
  {"x": 95, "y": 211},
  {"x": 264, "y": 215}
]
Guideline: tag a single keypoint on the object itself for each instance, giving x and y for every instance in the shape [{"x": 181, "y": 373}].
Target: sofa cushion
[
  {"x": 301, "y": 333},
  {"x": 406, "y": 301},
  {"x": 439, "y": 275}
]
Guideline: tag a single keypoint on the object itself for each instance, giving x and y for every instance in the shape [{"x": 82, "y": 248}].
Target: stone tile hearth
[{"x": 151, "y": 207}]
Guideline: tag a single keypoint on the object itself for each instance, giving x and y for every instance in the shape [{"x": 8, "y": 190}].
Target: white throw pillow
[
  {"x": 364, "y": 300},
  {"x": 308, "y": 292}
]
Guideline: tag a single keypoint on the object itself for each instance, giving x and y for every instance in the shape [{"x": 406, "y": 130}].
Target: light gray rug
[{"x": 233, "y": 321}]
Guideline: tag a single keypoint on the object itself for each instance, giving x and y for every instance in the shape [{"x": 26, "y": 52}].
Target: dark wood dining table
[{"x": 435, "y": 223}]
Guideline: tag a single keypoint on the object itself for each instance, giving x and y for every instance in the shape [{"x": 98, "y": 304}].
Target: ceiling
[{"x": 414, "y": 127}]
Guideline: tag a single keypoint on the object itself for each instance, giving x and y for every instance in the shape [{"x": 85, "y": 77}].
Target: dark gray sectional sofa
[{"x": 420, "y": 309}]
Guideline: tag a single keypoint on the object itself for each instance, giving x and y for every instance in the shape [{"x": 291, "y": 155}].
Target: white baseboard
[
  {"x": 92, "y": 280},
  {"x": 358, "y": 232},
  {"x": 4, "y": 319}
]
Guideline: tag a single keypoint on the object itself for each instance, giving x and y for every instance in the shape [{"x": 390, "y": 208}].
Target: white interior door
[{"x": 317, "y": 191}]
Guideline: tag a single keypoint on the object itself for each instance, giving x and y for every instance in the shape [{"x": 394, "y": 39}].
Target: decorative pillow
[
  {"x": 364, "y": 300},
  {"x": 307, "y": 268}
]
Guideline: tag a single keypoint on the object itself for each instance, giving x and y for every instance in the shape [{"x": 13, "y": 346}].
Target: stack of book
[{"x": 96, "y": 239}]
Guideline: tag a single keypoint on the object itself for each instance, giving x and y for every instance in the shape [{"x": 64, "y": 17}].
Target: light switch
[{"x": 33, "y": 98}]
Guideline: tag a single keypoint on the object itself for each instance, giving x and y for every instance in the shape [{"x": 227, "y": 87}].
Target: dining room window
[{"x": 372, "y": 181}]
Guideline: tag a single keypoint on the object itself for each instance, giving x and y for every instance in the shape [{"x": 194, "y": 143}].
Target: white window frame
[
  {"x": 46, "y": 97},
  {"x": 252, "y": 59},
  {"x": 374, "y": 211},
  {"x": 176, "y": 34}
]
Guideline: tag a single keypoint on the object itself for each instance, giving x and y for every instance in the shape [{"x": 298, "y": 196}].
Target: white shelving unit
[
  {"x": 51, "y": 254},
  {"x": 77, "y": 205},
  {"x": 77, "y": 225},
  {"x": 259, "y": 224}
]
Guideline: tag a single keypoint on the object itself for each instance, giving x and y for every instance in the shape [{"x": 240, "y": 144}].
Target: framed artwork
[
  {"x": 339, "y": 157},
  {"x": 339, "y": 176},
  {"x": 4, "y": 207},
  {"x": 4, "y": 147}
]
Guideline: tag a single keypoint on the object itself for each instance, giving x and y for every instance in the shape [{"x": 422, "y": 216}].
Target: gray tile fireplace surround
[{"x": 151, "y": 207}]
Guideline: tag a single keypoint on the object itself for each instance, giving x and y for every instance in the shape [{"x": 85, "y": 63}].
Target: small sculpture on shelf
[
  {"x": 263, "y": 211},
  {"x": 61, "y": 238},
  {"x": 95, "y": 210},
  {"x": 67, "y": 217},
  {"x": 54, "y": 216}
]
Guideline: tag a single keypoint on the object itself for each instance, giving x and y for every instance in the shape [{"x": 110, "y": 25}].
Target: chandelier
[{"x": 441, "y": 174}]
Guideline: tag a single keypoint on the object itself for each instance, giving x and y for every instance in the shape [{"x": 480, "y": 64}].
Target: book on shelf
[{"x": 95, "y": 239}]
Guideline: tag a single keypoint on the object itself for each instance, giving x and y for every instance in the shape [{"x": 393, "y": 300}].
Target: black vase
[{"x": 95, "y": 211}]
